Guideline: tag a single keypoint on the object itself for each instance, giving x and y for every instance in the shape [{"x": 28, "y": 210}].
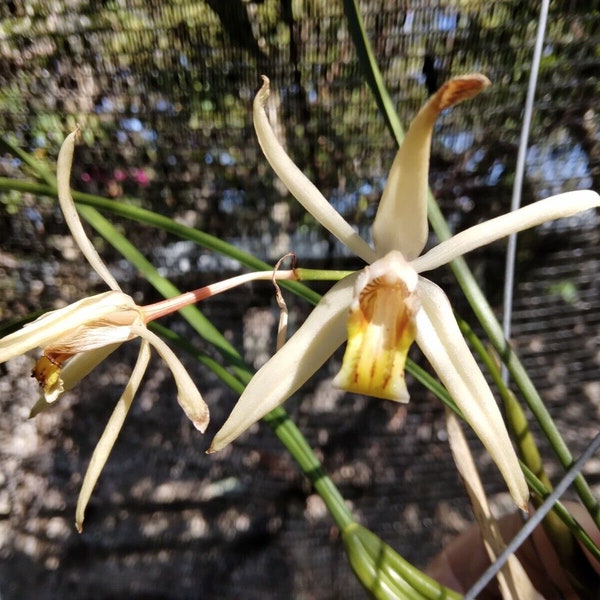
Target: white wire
[{"x": 509, "y": 275}]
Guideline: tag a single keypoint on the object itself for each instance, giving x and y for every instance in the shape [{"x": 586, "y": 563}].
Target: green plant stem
[
  {"x": 287, "y": 431},
  {"x": 321, "y": 274},
  {"x": 153, "y": 219}
]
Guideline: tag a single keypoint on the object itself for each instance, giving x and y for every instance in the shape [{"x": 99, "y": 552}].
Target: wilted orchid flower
[
  {"x": 385, "y": 307},
  {"x": 83, "y": 334},
  {"x": 75, "y": 339}
]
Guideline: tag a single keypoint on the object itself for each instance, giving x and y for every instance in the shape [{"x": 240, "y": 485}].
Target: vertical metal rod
[{"x": 509, "y": 275}]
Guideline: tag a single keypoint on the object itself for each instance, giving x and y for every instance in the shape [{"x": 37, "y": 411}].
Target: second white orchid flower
[
  {"x": 382, "y": 309},
  {"x": 75, "y": 339}
]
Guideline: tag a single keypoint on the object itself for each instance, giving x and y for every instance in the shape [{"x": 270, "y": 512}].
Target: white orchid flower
[
  {"x": 75, "y": 339},
  {"x": 83, "y": 334},
  {"x": 383, "y": 308}
]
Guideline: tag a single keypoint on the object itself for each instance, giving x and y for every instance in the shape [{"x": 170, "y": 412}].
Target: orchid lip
[{"x": 381, "y": 329}]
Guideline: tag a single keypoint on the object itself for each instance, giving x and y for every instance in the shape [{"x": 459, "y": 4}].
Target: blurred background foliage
[{"x": 163, "y": 91}]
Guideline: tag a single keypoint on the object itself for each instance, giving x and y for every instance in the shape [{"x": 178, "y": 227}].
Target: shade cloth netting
[{"x": 164, "y": 91}]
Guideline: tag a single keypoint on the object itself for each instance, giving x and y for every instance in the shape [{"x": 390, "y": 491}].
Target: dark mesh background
[{"x": 164, "y": 90}]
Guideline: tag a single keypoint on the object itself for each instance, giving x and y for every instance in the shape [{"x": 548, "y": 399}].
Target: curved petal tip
[{"x": 458, "y": 89}]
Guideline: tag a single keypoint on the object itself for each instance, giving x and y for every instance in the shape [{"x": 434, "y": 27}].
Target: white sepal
[
  {"x": 317, "y": 339},
  {"x": 440, "y": 339},
  {"x": 549, "y": 209},
  {"x": 188, "y": 396},
  {"x": 302, "y": 188},
  {"x": 67, "y": 205},
  {"x": 110, "y": 434}
]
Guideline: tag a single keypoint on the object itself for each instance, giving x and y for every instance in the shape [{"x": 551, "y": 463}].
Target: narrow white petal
[
  {"x": 512, "y": 579},
  {"x": 441, "y": 341},
  {"x": 82, "y": 364},
  {"x": 317, "y": 339},
  {"x": 63, "y": 176},
  {"x": 71, "y": 374},
  {"x": 299, "y": 185},
  {"x": 401, "y": 220},
  {"x": 188, "y": 396},
  {"x": 554, "y": 207},
  {"x": 110, "y": 434},
  {"x": 59, "y": 324}
]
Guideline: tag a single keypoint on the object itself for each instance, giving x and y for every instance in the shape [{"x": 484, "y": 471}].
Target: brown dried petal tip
[{"x": 460, "y": 88}]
